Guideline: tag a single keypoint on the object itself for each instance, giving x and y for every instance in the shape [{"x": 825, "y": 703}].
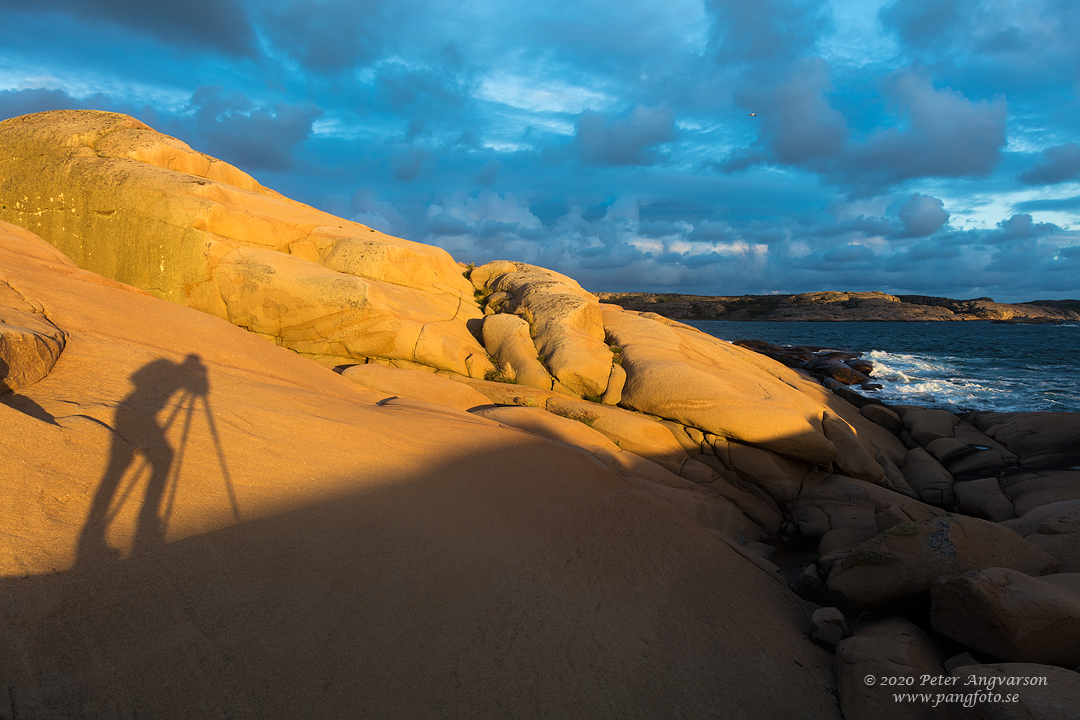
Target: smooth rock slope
[{"x": 200, "y": 523}]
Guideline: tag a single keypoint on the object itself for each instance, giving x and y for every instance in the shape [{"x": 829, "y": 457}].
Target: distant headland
[{"x": 833, "y": 306}]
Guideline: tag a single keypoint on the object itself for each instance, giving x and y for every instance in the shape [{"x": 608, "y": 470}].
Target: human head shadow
[{"x": 139, "y": 443}]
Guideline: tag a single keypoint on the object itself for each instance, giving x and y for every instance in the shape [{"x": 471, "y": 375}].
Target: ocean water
[{"x": 957, "y": 366}]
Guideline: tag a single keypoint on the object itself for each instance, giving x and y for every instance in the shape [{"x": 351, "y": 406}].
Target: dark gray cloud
[
  {"x": 434, "y": 93},
  {"x": 933, "y": 133},
  {"x": 798, "y": 125},
  {"x": 862, "y": 226},
  {"x": 1062, "y": 163},
  {"x": 604, "y": 139},
  {"x": 218, "y": 24},
  {"x": 327, "y": 35},
  {"x": 924, "y": 22},
  {"x": 1021, "y": 227},
  {"x": 765, "y": 31},
  {"x": 412, "y": 162},
  {"x": 236, "y": 131},
  {"x": 930, "y": 250},
  {"x": 946, "y": 135},
  {"x": 14, "y": 103},
  {"x": 922, "y": 215}
]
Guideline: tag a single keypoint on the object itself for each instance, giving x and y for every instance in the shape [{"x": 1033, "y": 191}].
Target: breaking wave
[{"x": 956, "y": 366}]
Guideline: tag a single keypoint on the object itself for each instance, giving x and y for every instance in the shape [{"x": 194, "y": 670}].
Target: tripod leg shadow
[{"x": 138, "y": 434}]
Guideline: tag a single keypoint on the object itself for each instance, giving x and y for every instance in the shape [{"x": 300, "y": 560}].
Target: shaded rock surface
[
  {"x": 900, "y": 565},
  {"x": 1012, "y": 616},
  {"x": 1044, "y": 692},
  {"x": 319, "y": 550},
  {"x": 881, "y": 648}
]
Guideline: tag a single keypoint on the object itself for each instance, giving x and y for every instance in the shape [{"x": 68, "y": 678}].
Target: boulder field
[{"x": 340, "y": 474}]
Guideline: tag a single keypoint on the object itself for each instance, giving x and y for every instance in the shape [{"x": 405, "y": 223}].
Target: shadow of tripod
[{"x": 136, "y": 431}]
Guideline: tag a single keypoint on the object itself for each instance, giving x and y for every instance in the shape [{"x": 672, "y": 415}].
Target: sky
[{"x": 715, "y": 147}]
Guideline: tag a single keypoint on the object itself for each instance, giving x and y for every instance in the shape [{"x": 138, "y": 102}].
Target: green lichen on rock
[
  {"x": 908, "y": 528},
  {"x": 872, "y": 556}
]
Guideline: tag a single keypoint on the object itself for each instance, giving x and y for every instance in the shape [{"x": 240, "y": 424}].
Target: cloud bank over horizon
[{"x": 710, "y": 147}]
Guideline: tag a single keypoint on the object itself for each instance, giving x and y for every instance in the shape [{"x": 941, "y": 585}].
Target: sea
[{"x": 957, "y": 366}]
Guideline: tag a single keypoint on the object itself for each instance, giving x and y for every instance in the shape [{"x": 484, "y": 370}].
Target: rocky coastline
[
  {"x": 833, "y": 306},
  {"x": 261, "y": 461}
]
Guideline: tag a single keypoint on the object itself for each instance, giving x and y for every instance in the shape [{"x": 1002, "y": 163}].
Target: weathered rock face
[
  {"x": 507, "y": 338},
  {"x": 900, "y": 566},
  {"x": 1043, "y": 440},
  {"x": 709, "y": 508},
  {"x": 1010, "y": 615},
  {"x": 145, "y": 209},
  {"x": 929, "y": 478},
  {"x": 324, "y": 314},
  {"x": 305, "y": 547},
  {"x": 1043, "y": 692},
  {"x": 713, "y": 387},
  {"x": 852, "y": 458},
  {"x": 839, "y": 502},
  {"x": 886, "y": 647},
  {"x": 29, "y": 343},
  {"x": 565, "y": 321}
]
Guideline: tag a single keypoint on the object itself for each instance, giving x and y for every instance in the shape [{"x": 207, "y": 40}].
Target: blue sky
[{"x": 710, "y": 147}]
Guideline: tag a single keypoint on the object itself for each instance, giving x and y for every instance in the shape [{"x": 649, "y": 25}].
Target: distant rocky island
[{"x": 833, "y": 306}]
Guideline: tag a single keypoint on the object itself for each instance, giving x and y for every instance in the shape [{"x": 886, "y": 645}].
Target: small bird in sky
[{"x": 753, "y": 114}]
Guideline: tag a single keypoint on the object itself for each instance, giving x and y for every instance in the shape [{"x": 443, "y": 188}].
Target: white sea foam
[
  {"x": 943, "y": 381},
  {"x": 983, "y": 366}
]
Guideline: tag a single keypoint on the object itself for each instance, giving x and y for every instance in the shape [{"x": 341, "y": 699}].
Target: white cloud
[{"x": 541, "y": 95}]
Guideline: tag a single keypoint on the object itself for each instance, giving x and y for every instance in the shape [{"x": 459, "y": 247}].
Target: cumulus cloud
[
  {"x": 767, "y": 30},
  {"x": 923, "y": 22},
  {"x": 485, "y": 221},
  {"x": 1062, "y": 164},
  {"x": 327, "y": 35},
  {"x": 922, "y": 215},
  {"x": 604, "y": 139},
  {"x": 14, "y": 103},
  {"x": 798, "y": 125},
  {"x": 931, "y": 133},
  {"x": 930, "y": 250},
  {"x": 1019, "y": 45},
  {"x": 1021, "y": 227},
  {"x": 222, "y": 25},
  {"x": 371, "y": 210},
  {"x": 263, "y": 138},
  {"x": 946, "y": 135}
]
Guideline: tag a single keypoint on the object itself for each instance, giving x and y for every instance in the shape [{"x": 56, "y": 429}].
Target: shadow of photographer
[{"x": 137, "y": 433}]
